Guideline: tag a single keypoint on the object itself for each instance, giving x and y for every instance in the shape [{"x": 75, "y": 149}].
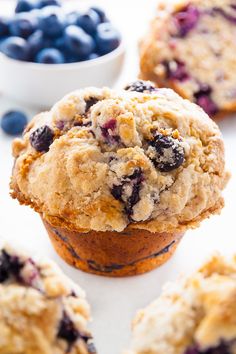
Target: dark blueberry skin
[
  {"x": 16, "y": 48},
  {"x": 107, "y": 38},
  {"x": 42, "y": 138},
  {"x": 44, "y": 3},
  {"x": 50, "y": 56},
  {"x": 101, "y": 13},
  {"x": 90, "y": 102},
  {"x": 186, "y": 19},
  {"x": 141, "y": 86},
  {"x": 23, "y": 25},
  {"x": 25, "y": 5},
  {"x": 89, "y": 21},
  {"x": 163, "y": 144},
  {"x": 223, "y": 348},
  {"x": 37, "y": 42},
  {"x": 204, "y": 100},
  {"x": 135, "y": 181},
  {"x": 52, "y": 21},
  {"x": 78, "y": 41},
  {"x": 9, "y": 266},
  {"x": 175, "y": 70},
  {"x": 72, "y": 18},
  {"x": 4, "y": 27},
  {"x": 13, "y": 122},
  {"x": 68, "y": 331},
  {"x": 93, "y": 56}
]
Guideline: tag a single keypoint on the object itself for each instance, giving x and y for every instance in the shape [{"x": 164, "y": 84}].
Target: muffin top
[
  {"x": 105, "y": 160},
  {"x": 41, "y": 310},
  {"x": 195, "y": 315}
]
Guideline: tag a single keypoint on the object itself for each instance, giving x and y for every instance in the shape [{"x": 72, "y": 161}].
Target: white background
[{"x": 115, "y": 301}]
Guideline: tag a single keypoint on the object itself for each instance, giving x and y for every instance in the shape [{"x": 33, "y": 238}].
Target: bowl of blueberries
[{"x": 48, "y": 50}]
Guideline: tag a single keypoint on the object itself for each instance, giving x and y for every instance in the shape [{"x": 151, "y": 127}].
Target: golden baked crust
[
  {"x": 113, "y": 254},
  {"x": 196, "y": 313},
  {"x": 40, "y": 307},
  {"x": 100, "y": 171},
  {"x": 198, "y": 48}
]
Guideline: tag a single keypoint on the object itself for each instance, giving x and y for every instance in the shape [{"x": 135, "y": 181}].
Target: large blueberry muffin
[
  {"x": 41, "y": 310},
  {"x": 191, "y": 47},
  {"x": 195, "y": 315},
  {"x": 119, "y": 176}
]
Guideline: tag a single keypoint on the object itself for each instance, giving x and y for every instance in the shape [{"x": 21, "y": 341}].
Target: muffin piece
[
  {"x": 41, "y": 310},
  {"x": 196, "y": 315},
  {"x": 119, "y": 176},
  {"x": 190, "y": 47}
]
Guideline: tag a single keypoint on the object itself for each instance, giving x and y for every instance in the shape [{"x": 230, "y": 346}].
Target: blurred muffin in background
[
  {"x": 191, "y": 47},
  {"x": 41, "y": 310},
  {"x": 195, "y": 315}
]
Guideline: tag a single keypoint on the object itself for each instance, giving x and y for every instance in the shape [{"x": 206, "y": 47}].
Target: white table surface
[{"x": 115, "y": 301}]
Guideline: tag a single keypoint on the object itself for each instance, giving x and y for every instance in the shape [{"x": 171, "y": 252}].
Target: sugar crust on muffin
[
  {"x": 194, "y": 315},
  {"x": 107, "y": 160},
  {"x": 41, "y": 310}
]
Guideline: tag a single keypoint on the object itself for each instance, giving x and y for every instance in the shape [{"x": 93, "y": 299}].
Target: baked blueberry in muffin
[{"x": 190, "y": 47}]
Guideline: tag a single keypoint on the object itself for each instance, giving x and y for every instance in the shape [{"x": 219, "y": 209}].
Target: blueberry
[
  {"x": 50, "y": 56},
  {"x": 52, "y": 21},
  {"x": 78, "y": 41},
  {"x": 13, "y": 122},
  {"x": 108, "y": 133},
  {"x": 42, "y": 138},
  {"x": 9, "y": 266},
  {"x": 68, "y": 331},
  {"x": 186, "y": 19},
  {"x": 44, "y": 3},
  {"x": 128, "y": 191},
  {"x": 107, "y": 38},
  {"x": 93, "y": 56},
  {"x": 72, "y": 18},
  {"x": 91, "y": 101},
  {"x": 37, "y": 42},
  {"x": 167, "y": 154},
  {"x": 23, "y": 25},
  {"x": 16, "y": 48},
  {"x": 203, "y": 99},
  {"x": 101, "y": 13},
  {"x": 222, "y": 348},
  {"x": 4, "y": 27},
  {"x": 89, "y": 21},
  {"x": 175, "y": 70},
  {"x": 141, "y": 86},
  {"x": 4, "y": 267},
  {"x": 25, "y": 5}
]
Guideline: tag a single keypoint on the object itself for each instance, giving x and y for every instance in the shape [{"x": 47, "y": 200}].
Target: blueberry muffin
[
  {"x": 190, "y": 47},
  {"x": 119, "y": 176},
  {"x": 196, "y": 315},
  {"x": 41, "y": 310}
]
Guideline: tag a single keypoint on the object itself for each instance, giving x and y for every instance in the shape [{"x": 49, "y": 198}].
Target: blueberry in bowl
[{"x": 56, "y": 49}]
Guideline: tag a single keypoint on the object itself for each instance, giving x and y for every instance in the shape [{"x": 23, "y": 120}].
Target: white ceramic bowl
[{"x": 41, "y": 85}]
